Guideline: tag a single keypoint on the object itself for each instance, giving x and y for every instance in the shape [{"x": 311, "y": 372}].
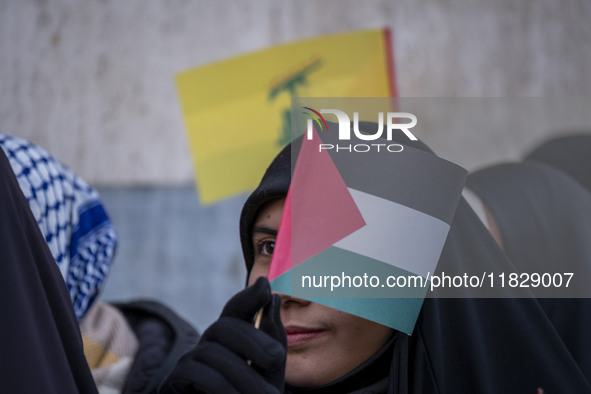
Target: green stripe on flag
[
  {"x": 396, "y": 307},
  {"x": 398, "y": 313}
]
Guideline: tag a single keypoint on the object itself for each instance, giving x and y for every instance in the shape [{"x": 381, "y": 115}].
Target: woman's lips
[{"x": 297, "y": 335}]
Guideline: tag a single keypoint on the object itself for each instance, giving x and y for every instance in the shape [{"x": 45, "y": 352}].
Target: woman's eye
[{"x": 267, "y": 247}]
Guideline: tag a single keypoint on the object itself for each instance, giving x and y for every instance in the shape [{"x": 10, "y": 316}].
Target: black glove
[{"x": 218, "y": 364}]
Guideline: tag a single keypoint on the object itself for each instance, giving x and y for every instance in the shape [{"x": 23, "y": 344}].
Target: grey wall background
[{"x": 93, "y": 82}]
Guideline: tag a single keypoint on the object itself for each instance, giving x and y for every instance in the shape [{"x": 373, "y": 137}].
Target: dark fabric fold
[
  {"x": 163, "y": 338},
  {"x": 544, "y": 218},
  {"x": 42, "y": 350},
  {"x": 570, "y": 154}
]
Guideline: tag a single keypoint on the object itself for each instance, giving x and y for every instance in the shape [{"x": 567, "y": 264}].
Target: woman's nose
[{"x": 287, "y": 300}]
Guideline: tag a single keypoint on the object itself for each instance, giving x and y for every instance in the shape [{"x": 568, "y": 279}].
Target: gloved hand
[{"x": 218, "y": 364}]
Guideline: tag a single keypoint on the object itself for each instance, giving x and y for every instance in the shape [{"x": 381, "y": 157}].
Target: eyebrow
[{"x": 264, "y": 230}]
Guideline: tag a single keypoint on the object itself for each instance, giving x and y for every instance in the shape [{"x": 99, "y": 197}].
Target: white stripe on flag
[{"x": 396, "y": 234}]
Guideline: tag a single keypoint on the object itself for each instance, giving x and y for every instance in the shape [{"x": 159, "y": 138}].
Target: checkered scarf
[{"x": 70, "y": 216}]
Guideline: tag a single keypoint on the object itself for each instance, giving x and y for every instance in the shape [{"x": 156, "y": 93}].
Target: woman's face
[{"x": 323, "y": 344}]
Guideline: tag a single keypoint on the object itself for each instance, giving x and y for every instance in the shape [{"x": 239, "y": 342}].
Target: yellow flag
[{"x": 237, "y": 111}]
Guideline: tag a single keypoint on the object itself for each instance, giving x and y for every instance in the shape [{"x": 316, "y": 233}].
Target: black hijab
[
  {"x": 41, "y": 347},
  {"x": 570, "y": 154},
  {"x": 544, "y": 218},
  {"x": 460, "y": 345}
]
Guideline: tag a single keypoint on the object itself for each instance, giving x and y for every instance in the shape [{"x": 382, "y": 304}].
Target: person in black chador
[
  {"x": 543, "y": 219},
  {"x": 42, "y": 347},
  {"x": 459, "y": 345}
]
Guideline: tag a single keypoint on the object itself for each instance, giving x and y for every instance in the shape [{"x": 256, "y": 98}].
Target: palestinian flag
[{"x": 363, "y": 232}]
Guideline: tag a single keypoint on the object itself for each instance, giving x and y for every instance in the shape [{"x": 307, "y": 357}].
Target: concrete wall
[
  {"x": 91, "y": 79},
  {"x": 173, "y": 250},
  {"x": 93, "y": 82}
]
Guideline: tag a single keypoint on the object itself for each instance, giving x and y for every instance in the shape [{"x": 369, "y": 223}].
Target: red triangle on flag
[{"x": 318, "y": 211}]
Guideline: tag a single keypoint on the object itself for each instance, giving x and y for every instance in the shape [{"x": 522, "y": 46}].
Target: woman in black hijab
[
  {"x": 461, "y": 345},
  {"x": 544, "y": 222},
  {"x": 42, "y": 348}
]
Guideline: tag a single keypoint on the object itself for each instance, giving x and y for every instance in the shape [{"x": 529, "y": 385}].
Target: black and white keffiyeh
[{"x": 71, "y": 217}]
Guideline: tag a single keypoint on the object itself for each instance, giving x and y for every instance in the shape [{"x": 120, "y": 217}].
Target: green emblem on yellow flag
[{"x": 237, "y": 111}]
